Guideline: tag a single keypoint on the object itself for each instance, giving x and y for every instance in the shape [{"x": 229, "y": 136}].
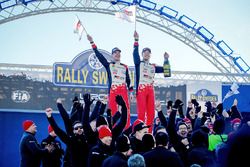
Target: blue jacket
[
  {"x": 31, "y": 152},
  {"x": 117, "y": 159}
]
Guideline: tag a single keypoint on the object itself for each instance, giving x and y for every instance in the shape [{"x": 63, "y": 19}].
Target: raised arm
[
  {"x": 95, "y": 111},
  {"x": 102, "y": 109},
  {"x": 171, "y": 122},
  {"x": 166, "y": 67},
  {"x": 85, "y": 115},
  {"x": 136, "y": 49},
  {"x": 234, "y": 111},
  {"x": 60, "y": 133},
  {"x": 100, "y": 56},
  {"x": 65, "y": 116},
  {"x": 117, "y": 130},
  {"x": 160, "y": 113}
]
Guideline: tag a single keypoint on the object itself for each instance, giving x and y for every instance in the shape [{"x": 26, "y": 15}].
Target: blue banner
[{"x": 243, "y": 98}]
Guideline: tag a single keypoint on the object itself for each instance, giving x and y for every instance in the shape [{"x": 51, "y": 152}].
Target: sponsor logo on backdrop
[
  {"x": 20, "y": 96},
  {"x": 204, "y": 95},
  {"x": 85, "y": 70},
  {"x": 94, "y": 62}
]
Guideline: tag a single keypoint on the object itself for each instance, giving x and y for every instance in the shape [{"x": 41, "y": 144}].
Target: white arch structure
[{"x": 11, "y": 10}]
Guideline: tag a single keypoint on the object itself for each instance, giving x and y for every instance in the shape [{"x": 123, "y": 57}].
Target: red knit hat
[
  {"x": 186, "y": 120},
  {"x": 27, "y": 124},
  {"x": 236, "y": 120},
  {"x": 104, "y": 131},
  {"x": 50, "y": 129}
]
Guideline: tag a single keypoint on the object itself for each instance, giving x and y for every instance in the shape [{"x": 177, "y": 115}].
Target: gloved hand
[
  {"x": 87, "y": 99},
  {"x": 169, "y": 104},
  {"x": 108, "y": 111},
  {"x": 198, "y": 109},
  {"x": 119, "y": 100},
  {"x": 178, "y": 103},
  {"x": 76, "y": 103},
  {"x": 194, "y": 101},
  {"x": 75, "y": 99}
]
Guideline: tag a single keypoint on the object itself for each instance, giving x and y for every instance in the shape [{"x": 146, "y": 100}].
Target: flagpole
[
  {"x": 85, "y": 30},
  {"x": 135, "y": 16}
]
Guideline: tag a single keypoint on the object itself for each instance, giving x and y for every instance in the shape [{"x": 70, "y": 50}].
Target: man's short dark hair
[{"x": 161, "y": 139}]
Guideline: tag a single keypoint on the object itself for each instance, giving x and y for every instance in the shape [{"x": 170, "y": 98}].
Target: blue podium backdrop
[
  {"x": 11, "y": 133},
  {"x": 243, "y": 98}
]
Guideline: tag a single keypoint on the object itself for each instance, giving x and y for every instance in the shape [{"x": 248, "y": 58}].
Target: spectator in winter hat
[
  {"x": 236, "y": 123},
  {"x": 123, "y": 151},
  {"x": 31, "y": 152},
  {"x": 105, "y": 134},
  {"x": 189, "y": 124},
  {"x": 54, "y": 158},
  {"x": 139, "y": 129},
  {"x": 103, "y": 148},
  {"x": 76, "y": 142}
]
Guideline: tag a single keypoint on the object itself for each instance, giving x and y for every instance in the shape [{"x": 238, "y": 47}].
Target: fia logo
[
  {"x": 20, "y": 96},
  {"x": 94, "y": 62}
]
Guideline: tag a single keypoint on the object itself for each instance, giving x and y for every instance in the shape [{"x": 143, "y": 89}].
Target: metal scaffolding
[
  {"x": 225, "y": 64},
  {"x": 44, "y": 73}
]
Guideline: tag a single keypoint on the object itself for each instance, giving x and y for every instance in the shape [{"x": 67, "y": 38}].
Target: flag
[
  {"x": 127, "y": 14},
  {"x": 78, "y": 28},
  {"x": 232, "y": 91}
]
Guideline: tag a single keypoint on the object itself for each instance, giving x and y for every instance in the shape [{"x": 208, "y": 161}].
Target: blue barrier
[{"x": 11, "y": 133}]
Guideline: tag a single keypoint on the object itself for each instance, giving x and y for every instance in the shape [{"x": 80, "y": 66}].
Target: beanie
[
  {"x": 236, "y": 120},
  {"x": 104, "y": 131},
  {"x": 50, "y": 129},
  {"x": 122, "y": 143},
  {"x": 186, "y": 120},
  {"x": 27, "y": 124}
]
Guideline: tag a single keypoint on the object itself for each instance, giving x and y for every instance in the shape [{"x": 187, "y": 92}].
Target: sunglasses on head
[{"x": 78, "y": 127}]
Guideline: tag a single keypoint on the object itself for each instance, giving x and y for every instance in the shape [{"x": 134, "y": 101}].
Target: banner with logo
[
  {"x": 84, "y": 74},
  {"x": 85, "y": 70},
  {"x": 204, "y": 91}
]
